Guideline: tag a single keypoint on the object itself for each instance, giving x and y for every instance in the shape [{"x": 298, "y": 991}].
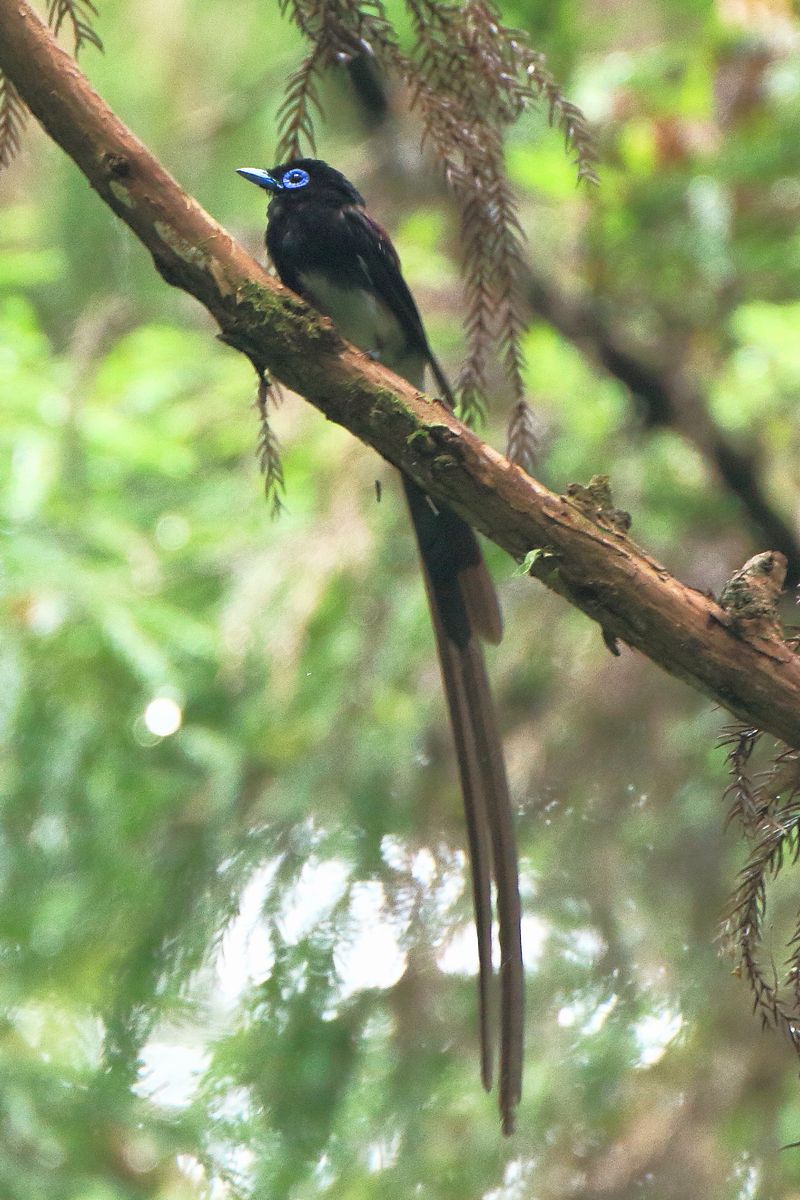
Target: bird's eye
[{"x": 295, "y": 178}]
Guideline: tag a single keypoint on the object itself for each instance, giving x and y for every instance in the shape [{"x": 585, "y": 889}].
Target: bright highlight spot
[
  {"x": 246, "y": 955},
  {"x": 459, "y": 954},
  {"x": 654, "y": 1034},
  {"x": 163, "y": 716},
  {"x": 310, "y": 902},
  {"x": 170, "y": 1071},
  {"x": 372, "y": 956},
  {"x": 172, "y": 531},
  {"x": 586, "y": 1014}
]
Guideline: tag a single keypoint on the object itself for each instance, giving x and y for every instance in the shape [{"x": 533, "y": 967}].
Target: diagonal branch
[
  {"x": 668, "y": 397},
  {"x": 663, "y": 390},
  {"x": 585, "y": 556}
]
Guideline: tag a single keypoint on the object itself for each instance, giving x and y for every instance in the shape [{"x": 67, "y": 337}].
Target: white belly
[{"x": 364, "y": 320}]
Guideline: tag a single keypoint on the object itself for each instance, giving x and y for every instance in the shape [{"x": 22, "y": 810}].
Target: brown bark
[{"x": 586, "y": 556}]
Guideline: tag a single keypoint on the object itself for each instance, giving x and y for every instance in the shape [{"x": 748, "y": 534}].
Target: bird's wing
[{"x": 381, "y": 266}]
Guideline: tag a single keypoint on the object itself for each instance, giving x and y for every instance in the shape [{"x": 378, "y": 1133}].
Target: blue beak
[{"x": 261, "y": 178}]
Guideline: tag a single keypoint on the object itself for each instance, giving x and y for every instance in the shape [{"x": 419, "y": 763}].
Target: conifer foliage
[
  {"x": 13, "y": 115},
  {"x": 766, "y": 806},
  {"x": 470, "y": 78}
]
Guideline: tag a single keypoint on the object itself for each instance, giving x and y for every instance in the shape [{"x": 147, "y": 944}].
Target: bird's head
[{"x": 303, "y": 179}]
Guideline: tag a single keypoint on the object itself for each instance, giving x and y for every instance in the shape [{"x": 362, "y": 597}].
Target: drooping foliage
[{"x": 470, "y": 78}]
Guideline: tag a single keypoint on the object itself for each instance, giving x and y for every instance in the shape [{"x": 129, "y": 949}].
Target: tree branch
[
  {"x": 664, "y": 391},
  {"x": 586, "y": 555},
  {"x": 668, "y": 397}
]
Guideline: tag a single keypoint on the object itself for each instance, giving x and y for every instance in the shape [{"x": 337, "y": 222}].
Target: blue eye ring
[{"x": 296, "y": 178}]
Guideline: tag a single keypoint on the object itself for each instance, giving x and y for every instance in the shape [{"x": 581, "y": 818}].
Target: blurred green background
[{"x": 235, "y": 932}]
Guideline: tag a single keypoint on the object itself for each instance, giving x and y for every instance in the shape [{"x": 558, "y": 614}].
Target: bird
[{"x": 326, "y": 248}]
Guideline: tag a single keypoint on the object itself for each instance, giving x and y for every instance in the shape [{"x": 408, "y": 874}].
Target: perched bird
[{"x": 326, "y": 248}]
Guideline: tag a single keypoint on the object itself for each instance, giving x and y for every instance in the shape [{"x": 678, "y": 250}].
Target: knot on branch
[
  {"x": 597, "y": 502},
  {"x": 750, "y": 597},
  {"x": 116, "y": 166}
]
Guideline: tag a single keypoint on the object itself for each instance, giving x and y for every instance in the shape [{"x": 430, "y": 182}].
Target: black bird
[{"x": 327, "y": 249}]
